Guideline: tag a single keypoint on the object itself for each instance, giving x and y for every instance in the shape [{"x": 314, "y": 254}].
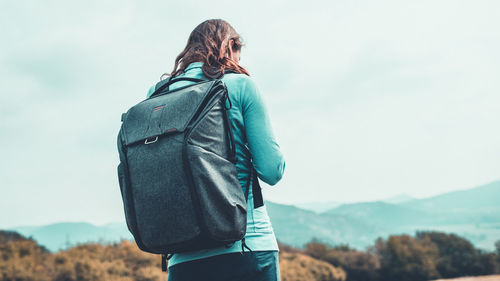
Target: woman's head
[{"x": 215, "y": 43}]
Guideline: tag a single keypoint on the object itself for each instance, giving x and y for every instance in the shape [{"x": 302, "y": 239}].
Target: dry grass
[
  {"x": 299, "y": 267},
  {"x": 477, "y": 278}
]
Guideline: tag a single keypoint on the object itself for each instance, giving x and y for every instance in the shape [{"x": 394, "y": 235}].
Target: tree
[
  {"x": 497, "y": 246},
  {"x": 359, "y": 266},
  {"x": 403, "y": 258},
  {"x": 457, "y": 256},
  {"x": 316, "y": 249},
  {"x": 22, "y": 259},
  {"x": 486, "y": 263}
]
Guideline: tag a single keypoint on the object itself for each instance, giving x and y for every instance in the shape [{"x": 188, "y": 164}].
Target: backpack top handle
[{"x": 164, "y": 84}]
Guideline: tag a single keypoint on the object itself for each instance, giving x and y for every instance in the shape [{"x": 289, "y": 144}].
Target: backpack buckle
[{"x": 151, "y": 140}]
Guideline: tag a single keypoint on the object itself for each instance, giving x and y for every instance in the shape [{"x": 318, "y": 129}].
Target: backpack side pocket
[{"x": 124, "y": 186}]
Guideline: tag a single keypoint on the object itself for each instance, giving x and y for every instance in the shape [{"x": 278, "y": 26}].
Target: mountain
[
  {"x": 383, "y": 214},
  {"x": 296, "y": 227},
  {"x": 473, "y": 214},
  {"x": 476, "y": 205},
  {"x": 400, "y": 198},
  {"x": 292, "y": 225},
  {"x": 482, "y": 198},
  {"x": 59, "y": 236},
  {"x": 318, "y": 207}
]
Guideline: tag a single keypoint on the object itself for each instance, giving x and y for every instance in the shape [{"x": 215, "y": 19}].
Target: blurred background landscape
[
  {"x": 386, "y": 112},
  {"x": 473, "y": 214},
  {"x": 450, "y": 235}
]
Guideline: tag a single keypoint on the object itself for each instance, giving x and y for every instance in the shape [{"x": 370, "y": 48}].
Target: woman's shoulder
[{"x": 240, "y": 81}]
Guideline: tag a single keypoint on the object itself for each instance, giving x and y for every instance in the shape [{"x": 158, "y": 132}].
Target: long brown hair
[{"x": 210, "y": 43}]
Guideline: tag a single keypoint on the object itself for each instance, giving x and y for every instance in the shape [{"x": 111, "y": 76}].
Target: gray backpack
[{"x": 177, "y": 170}]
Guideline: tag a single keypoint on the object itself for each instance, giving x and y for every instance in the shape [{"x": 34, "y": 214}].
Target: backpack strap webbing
[
  {"x": 258, "y": 201},
  {"x": 165, "y": 83},
  {"x": 253, "y": 180}
]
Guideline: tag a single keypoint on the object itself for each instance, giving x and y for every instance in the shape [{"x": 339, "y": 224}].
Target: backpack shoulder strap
[{"x": 162, "y": 82}]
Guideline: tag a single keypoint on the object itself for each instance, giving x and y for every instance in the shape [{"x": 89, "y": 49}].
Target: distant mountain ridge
[
  {"x": 63, "y": 235},
  {"x": 463, "y": 206},
  {"x": 295, "y": 226},
  {"x": 483, "y": 197},
  {"x": 320, "y": 207},
  {"x": 382, "y": 213},
  {"x": 400, "y": 198},
  {"x": 473, "y": 214}
]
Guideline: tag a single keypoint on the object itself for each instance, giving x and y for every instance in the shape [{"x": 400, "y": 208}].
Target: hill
[
  {"x": 386, "y": 215},
  {"x": 59, "y": 236},
  {"x": 400, "y": 198},
  {"x": 482, "y": 199},
  {"x": 295, "y": 226},
  {"x": 472, "y": 213},
  {"x": 356, "y": 224},
  {"x": 22, "y": 259},
  {"x": 318, "y": 207}
]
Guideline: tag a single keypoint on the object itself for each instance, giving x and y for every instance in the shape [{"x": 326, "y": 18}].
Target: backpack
[{"x": 177, "y": 172}]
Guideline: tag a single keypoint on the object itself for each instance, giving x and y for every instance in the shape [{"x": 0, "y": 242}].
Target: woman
[{"x": 213, "y": 51}]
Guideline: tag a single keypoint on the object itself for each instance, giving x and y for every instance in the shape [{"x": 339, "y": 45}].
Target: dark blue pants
[{"x": 254, "y": 266}]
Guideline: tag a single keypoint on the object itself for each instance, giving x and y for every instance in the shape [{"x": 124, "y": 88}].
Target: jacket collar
[{"x": 196, "y": 64}]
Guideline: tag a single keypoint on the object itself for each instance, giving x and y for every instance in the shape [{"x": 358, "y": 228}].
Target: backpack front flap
[
  {"x": 163, "y": 114},
  {"x": 158, "y": 198}
]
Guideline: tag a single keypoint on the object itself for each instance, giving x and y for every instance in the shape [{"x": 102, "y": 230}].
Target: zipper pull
[{"x": 244, "y": 246}]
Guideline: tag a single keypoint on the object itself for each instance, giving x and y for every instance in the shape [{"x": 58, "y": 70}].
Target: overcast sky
[{"x": 368, "y": 99}]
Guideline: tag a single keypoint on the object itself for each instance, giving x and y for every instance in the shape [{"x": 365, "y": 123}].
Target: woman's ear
[
  {"x": 230, "y": 49},
  {"x": 233, "y": 50}
]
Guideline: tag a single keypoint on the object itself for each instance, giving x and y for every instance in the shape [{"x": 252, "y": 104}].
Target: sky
[{"x": 368, "y": 99}]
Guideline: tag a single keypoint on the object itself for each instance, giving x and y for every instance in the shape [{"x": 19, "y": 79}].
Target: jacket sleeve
[{"x": 266, "y": 155}]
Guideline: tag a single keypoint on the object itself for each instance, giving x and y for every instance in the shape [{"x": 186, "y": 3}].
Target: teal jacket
[{"x": 254, "y": 140}]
